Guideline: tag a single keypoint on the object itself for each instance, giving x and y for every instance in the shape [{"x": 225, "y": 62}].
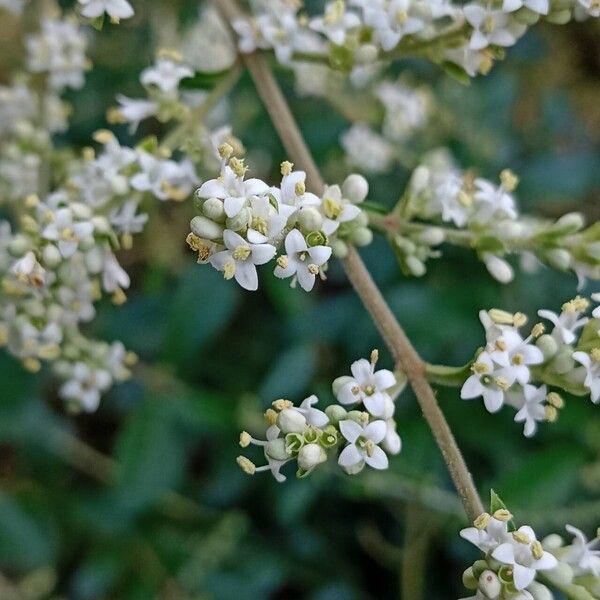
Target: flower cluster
[
  {"x": 505, "y": 370},
  {"x": 308, "y": 435},
  {"x": 483, "y": 215},
  {"x": 244, "y": 222},
  {"x": 351, "y": 34},
  {"x": 514, "y": 560}
]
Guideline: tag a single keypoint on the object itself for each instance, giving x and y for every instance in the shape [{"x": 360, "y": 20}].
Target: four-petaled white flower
[
  {"x": 362, "y": 445},
  {"x": 240, "y": 258},
  {"x": 591, "y": 364},
  {"x": 581, "y": 554},
  {"x": 530, "y": 404},
  {"x": 492, "y": 201},
  {"x": 85, "y": 386},
  {"x": 539, "y": 6},
  {"x": 115, "y": 9},
  {"x": 134, "y": 110},
  {"x": 301, "y": 261},
  {"x": 336, "y": 209},
  {"x": 314, "y": 416},
  {"x": 565, "y": 324},
  {"x": 368, "y": 386},
  {"x": 67, "y": 232},
  {"x": 335, "y": 22},
  {"x": 487, "y": 538},
  {"x": 488, "y": 381},
  {"x": 525, "y": 555},
  {"x": 165, "y": 74},
  {"x": 490, "y": 27}
]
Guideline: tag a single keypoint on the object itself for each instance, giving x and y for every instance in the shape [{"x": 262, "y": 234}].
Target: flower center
[
  {"x": 242, "y": 252},
  {"x": 401, "y": 17},
  {"x": 332, "y": 208},
  {"x": 489, "y": 24},
  {"x": 260, "y": 225}
]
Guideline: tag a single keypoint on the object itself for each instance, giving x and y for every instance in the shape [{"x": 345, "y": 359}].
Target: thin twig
[{"x": 402, "y": 349}]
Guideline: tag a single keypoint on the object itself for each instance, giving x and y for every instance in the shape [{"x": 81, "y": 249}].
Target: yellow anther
[
  {"x": 241, "y": 252},
  {"x": 520, "y": 319},
  {"x": 517, "y": 359},
  {"x": 246, "y": 465},
  {"x": 480, "y": 368},
  {"x": 500, "y": 345},
  {"x": 521, "y": 537},
  {"x": 283, "y": 261},
  {"x": 502, "y": 383},
  {"x": 300, "y": 188},
  {"x": 555, "y": 400},
  {"x": 245, "y": 439},
  {"x": 332, "y": 208},
  {"x": 538, "y": 329},
  {"x": 537, "y": 550},
  {"x": 482, "y": 521},
  {"x": 229, "y": 270},
  {"x": 103, "y": 136},
  {"x": 270, "y": 416},
  {"x": 313, "y": 269},
  {"x": 502, "y": 514},
  {"x": 509, "y": 180},
  {"x": 225, "y": 150},
  {"x": 550, "y": 413},
  {"x": 501, "y": 317},
  {"x": 374, "y": 356},
  {"x": 286, "y": 167},
  {"x": 282, "y": 404}
]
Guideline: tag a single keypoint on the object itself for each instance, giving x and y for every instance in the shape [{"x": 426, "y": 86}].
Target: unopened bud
[
  {"x": 310, "y": 218},
  {"x": 361, "y": 236},
  {"x": 310, "y": 456},
  {"x": 205, "y": 228},
  {"x": 499, "y": 269},
  {"x": 213, "y": 209},
  {"x": 291, "y": 421},
  {"x": 490, "y": 585},
  {"x": 548, "y": 345},
  {"x": 355, "y": 188}
]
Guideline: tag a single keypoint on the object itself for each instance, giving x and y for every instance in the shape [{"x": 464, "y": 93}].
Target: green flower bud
[
  {"x": 469, "y": 579},
  {"x": 359, "y": 416},
  {"x": 51, "y": 256},
  {"x": 563, "y": 361},
  {"x": 102, "y": 226},
  {"x": 562, "y": 574},
  {"x": 415, "y": 266},
  {"x": 339, "y": 248},
  {"x": 276, "y": 449},
  {"x": 19, "y": 245},
  {"x": 367, "y": 54},
  {"x": 548, "y": 345},
  {"x": 213, "y": 209},
  {"x": 527, "y": 16},
  {"x": 80, "y": 211},
  {"x": 240, "y": 221},
  {"x": 362, "y": 220},
  {"x": 205, "y": 228},
  {"x": 479, "y": 566},
  {"x": 559, "y": 17},
  {"x": 336, "y": 413},
  {"x": 432, "y": 236},
  {"x": 361, "y": 236},
  {"x": 339, "y": 383},
  {"x": 593, "y": 250},
  {"x": 539, "y": 591},
  {"x": 559, "y": 258},
  {"x": 552, "y": 542}
]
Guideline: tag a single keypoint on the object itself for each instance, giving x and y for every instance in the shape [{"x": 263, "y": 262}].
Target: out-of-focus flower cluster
[
  {"x": 359, "y": 431},
  {"x": 518, "y": 566},
  {"x": 565, "y": 356},
  {"x": 245, "y": 222}
]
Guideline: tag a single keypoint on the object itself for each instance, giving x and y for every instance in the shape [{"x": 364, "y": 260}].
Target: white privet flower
[
  {"x": 59, "y": 50},
  {"x": 488, "y": 381},
  {"x": 367, "y": 386},
  {"x": 363, "y": 445},
  {"x": 115, "y": 9},
  {"x": 539, "y": 6},
  {"x": 293, "y": 189},
  {"x": 591, "y": 364},
  {"x": 86, "y": 386},
  {"x": 406, "y": 109},
  {"x": 335, "y": 22},
  {"x": 135, "y": 110},
  {"x": 569, "y": 320},
  {"x": 114, "y": 276},
  {"x": 165, "y": 74},
  {"x": 367, "y": 149},
  {"x": 164, "y": 178},
  {"x": 489, "y": 532},
  {"x": 472, "y": 61},
  {"x": 240, "y": 258},
  {"x": 591, "y": 7},
  {"x": 530, "y": 404},
  {"x": 581, "y": 554},
  {"x": 493, "y": 201},
  {"x": 29, "y": 270},
  {"x": 391, "y": 20},
  {"x": 302, "y": 262},
  {"x": 126, "y": 220},
  {"x": 491, "y": 27},
  {"x": 525, "y": 555},
  {"x": 313, "y": 415},
  {"x": 336, "y": 209},
  {"x": 67, "y": 231}
]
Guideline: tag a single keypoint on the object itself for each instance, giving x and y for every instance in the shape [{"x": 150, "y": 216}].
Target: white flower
[
  {"x": 233, "y": 190},
  {"x": 591, "y": 7},
  {"x": 580, "y": 553},
  {"x": 525, "y": 555},
  {"x": 115, "y": 9},
  {"x": 267, "y": 221},
  {"x": 336, "y": 209},
  {"x": 368, "y": 387},
  {"x": 164, "y": 178},
  {"x": 126, "y": 220},
  {"x": 134, "y": 110},
  {"x": 293, "y": 191},
  {"x": 85, "y": 386},
  {"x": 492, "y": 202},
  {"x": 406, "y": 108},
  {"x": 367, "y": 149},
  {"x": 114, "y": 276},
  {"x": 530, "y": 404},
  {"x": 335, "y": 22},
  {"x": 472, "y": 61},
  {"x": 392, "y": 20},
  {"x": 490, "y": 27},
  {"x": 487, "y": 381},
  {"x": 240, "y": 258},
  {"x": 565, "y": 324},
  {"x": 28, "y": 269},
  {"x": 313, "y": 416},
  {"x": 362, "y": 445},
  {"x": 165, "y": 74},
  {"x": 67, "y": 232},
  {"x": 539, "y": 6},
  {"x": 488, "y": 538},
  {"x": 301, "y": 262},
  {"x": 591, "y": 364}
]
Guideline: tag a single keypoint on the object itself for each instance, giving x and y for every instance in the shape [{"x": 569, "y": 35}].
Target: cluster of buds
[
  {"x": 245, "y": 222},
  {"x": 484, "y": 216},
  {"x": 308, "y": 436},
  {"x": 514, "y": 559},
  {"x": 505, "y": 370}
]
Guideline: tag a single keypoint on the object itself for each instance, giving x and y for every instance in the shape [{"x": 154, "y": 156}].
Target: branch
[{"x": 399, "y": 344}]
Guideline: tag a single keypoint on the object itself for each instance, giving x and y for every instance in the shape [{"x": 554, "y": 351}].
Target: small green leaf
[{"x": 201, "y": 81}]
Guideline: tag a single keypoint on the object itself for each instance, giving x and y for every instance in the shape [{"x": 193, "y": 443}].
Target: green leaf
[
  {"x": 202, "y": 80},
  {"x": 456, "y": 72},
  {"x": 496, "y": 502}
]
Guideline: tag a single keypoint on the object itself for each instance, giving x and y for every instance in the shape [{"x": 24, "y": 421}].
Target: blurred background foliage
[{"x": 143, "y": 499}]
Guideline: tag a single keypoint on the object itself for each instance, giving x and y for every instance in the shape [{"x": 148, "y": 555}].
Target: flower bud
[
  {"x": 339, "y": 248},
  {"x": 240, "y": 221},
  {"x": 276, "y": 449},
  {"x": 558, "y": 258},
  {"x": 213, "y": 209},
  {"x": 469, "y": 580},
  {"x": 362, "y": 220},
  {"x": 51, "y": 256},
  {"x": 361, "y": 236},
  {"x": 563, "y": 361},
  {"x": 355, "y": 188},
  {"x": 490, "y": 585},
  {"x": 310, "y": 218},
  {"x": 19, "y": 245},
  {"x": 291, "y": 421},
  {"x": 310, "y": 456},
  {"x": 539, "y": 591},
  {"x": 559, "y": 17},
  {"x": 569, "y": 223},
  {"x": 336, "y": 413},
  {"x": 548, "y": 345},
  {"x": 498, "y": 268},
  {"x": 81, "y": 212},
  {"x": 593, "y": 250},
  {"x": 419, "y": 179},
  {"x": 392, "y": 443},
  {"x": 562, "y": 574},
  {"x": 552, "y": 542},
  {"x": 527, "y": 16},
  {"x": 432, "y": 236},
  {"x": 205, "y": 228},
  {"x": 367, "y": 54},
  {"x": 415, "y": 266}
]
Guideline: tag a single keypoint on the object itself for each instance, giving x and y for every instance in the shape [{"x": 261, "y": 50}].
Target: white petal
[
  {"x": 319, "y": 254},
  {"x": 472, "y": 388},
  {"x": 384, "y": 379},
  {"x": 376, "y": 431},
  {"x": 378, "y": 459},
  {"x": 361, "y": 370},
  {"x": 493, "y": 399},
  {"x": 295, "y": 242},
  {"x": 349, "y": 456},
  {"x": 522, "y": 576},
  {"x": 346, "y": 396},
  {"x": 246, "y": 275},
  {"x": 262, "y": 253},
  {"x": 233, "y": 240},
  {"x": 505, "y": 553},
  {"x": 351, "y": 430},
  {"x": 375, "y": 404},
  {"x": 233, "y": 205}
]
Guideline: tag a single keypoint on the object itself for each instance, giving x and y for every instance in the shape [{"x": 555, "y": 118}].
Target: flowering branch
[{"x": 399, "y": 344}]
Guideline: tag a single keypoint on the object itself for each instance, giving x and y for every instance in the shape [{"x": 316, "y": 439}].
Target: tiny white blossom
[
  {"x": 565, "y": 324},
  {"x": 335, "y": 22},
  {"x": 134, "y": 110},
  {"x": 362, "y": 445},
  {"x": 490, "y": 27},
  {"x": 591, "y": 364},
  {"x": 115, "y": 9},
  {"x": 67, "y": 232},
  {"x": 165, "y": 74},
  {"x": 336, "y": 209},
  {"x": 313, "y": 416},
  {"x": 488, "y": 538},
  {"x": 492, "y": 202},
  {"x": 530, "y": 404},
  {"x": 581, "y": 554},
  {"x": 240, "y": 258},
  {"x": 301, "y": 261},
  {"x": 127, "y": 220},
  {"x": 487, "y": 381},
  {"x": 539, "y": 6},
  {"x": 86, "y": 386}
]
